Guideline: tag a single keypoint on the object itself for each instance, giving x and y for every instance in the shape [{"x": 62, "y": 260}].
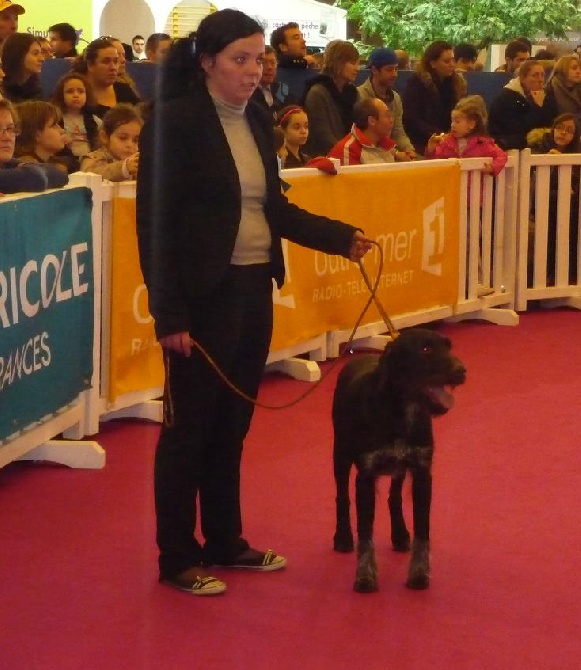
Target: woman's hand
[
  {"x": 360, "y": 246},
  {"x": 178, "y": 342}
]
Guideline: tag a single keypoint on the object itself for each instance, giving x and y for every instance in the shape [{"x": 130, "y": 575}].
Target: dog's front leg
[
  {"x": 366, "y": 573},
  {"x": 419, "y": 569},
  {"x": 400, "y": 537}
]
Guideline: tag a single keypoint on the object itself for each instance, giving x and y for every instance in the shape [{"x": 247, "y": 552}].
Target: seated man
[
  {"x": 63, "y": 40},
  {"x": 290, "y": 47},
  {"x": 368, "y": 141},
  {"x": 465, "y": 56},
  {"x": 383, "y": 66},
  {"x": 515, "y": 53},
  {"x": 157, "y": 47},
  {"x": 270, "y": 94}
]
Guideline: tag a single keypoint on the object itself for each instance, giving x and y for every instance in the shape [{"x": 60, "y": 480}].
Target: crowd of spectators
[{"x": 329, "y": 110}]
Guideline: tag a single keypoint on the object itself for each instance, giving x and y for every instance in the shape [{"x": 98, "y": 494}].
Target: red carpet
[{"x": 78, "y": 560}]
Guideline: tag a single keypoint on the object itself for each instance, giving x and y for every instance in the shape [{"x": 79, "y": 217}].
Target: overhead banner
[
  {"x": 46, "y": 305},
  {"x": 136, "y": 362},
  {"x": 412, "y": 214}
]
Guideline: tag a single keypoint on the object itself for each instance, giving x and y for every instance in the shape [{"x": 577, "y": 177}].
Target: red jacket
[{"x": 356, "y": 149}]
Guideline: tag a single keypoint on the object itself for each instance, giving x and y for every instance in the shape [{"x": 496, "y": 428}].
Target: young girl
[
  {"x": 41, "y": 139},
  {"x": 295, "y": 125},
  {"x": 73, "y": 95},
  {"x": 468, "y": 137},
  {"x": 118, "y": 159}
]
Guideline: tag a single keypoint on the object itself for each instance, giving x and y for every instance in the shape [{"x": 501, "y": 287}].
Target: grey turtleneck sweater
[{"x": 253, "y": 240}]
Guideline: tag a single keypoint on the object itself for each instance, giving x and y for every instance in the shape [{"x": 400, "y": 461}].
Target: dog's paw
[
  {"x": 366, "y": 585},
  {"x": 419, "y": 571},
  {"x": 418, "y": 581},
  {"x": 343, "y": 543}
]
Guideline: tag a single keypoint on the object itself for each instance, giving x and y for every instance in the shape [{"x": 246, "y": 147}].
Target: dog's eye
[{"x": 426, "y": 349}]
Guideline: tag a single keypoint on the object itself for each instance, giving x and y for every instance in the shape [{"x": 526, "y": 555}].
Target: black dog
[{"x": 382, "y": 418}]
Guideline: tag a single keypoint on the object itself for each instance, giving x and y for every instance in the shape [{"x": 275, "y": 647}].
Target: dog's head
[{"x": 419, "y": 366}]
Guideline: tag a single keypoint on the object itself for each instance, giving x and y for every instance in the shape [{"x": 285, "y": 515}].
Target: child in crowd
[
  {"x": 561, "y": 138},
  {"x": 468, "y": 136},
  {"x": 16, "y": 177},
  {"x": 73, "y": 95},
  {"x": 295, "y": 126},
  {"x": 118, "y": 159},
  {"x": 41, "y": 139}
]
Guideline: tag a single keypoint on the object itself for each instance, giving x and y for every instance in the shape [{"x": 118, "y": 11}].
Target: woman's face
[
  {"x": 445, "y": 65},
  {"x": 564, "y": 133},
  {"x": 534, "y": 79},
  {"x": 350, "y": 71},
  {"x": 7, "y": 136},
  {"x": 33, "y": 60},
  {"x": 574, "y": 73},
  {"x": 122, "y": 60},
  {"x": 104, "y": 69},
  {"x": 234, "y": 73}
]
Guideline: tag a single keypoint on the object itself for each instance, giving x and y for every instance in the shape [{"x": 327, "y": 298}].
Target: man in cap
[
  {"x": 383, "y": 66},
  {"x": 9, "y": 13}
]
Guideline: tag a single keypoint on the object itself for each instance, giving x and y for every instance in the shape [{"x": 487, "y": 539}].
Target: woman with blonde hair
[
  {"x": 330, "y": 96},
  {"x": 564, "y": 86}
]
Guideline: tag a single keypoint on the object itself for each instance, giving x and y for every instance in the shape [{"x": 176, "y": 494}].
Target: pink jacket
[{"x": 479, "y": 146}]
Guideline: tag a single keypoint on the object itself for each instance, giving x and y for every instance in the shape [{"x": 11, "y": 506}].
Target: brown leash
[{"x": 168, "y": 408}]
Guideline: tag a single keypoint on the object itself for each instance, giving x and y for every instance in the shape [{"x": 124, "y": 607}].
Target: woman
[
  {"x": 431, "y": 94},
  {"x": 22, "y": 61},
  {"x": 100, "y": 63},
  {"x": 329, "y": 98},
  {"x": 520, "y": 107},
  {"x": 210, "y": 217},
  {"x": 122, "y": 74},
  {"x": 564, "y": 87}
]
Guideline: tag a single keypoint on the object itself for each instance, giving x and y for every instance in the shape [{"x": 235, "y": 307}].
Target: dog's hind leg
[
  {"x": 419, "y": 569},
  {"x": 366, "y": 573},
  {"x": 400, "y": 537},
  {"x": 343, "y": 539}
]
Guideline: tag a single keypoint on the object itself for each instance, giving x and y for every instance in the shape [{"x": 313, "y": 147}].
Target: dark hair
[
  {"x": 119, "y": 116},
  {"x": 278, "y": 138},
  {"x": 34, "y": 116},
  {"x": 337, "y": 54},
  {"x": 216, "y": 31},
  {"x": 362, "y": 110},
  {"x": 433, "y": 52},
  {"x": 284, "y": 115},
  {"x": 574, "y": 146},
  {"x": 515, "y": 47},
  {"x": 66, "y": 32},
  {"x": 544, "y": 54},
  {"x": 278, "y": 37},
  {"x": 137, "y": 37},
  {"x": 14, "y": 51},
  {"x": 91, "y": 53},
  {"x": 58, "y": 96},
  {"x": 465, "y": 52}
]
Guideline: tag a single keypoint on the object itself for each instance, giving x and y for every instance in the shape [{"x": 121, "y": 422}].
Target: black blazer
[{"x": 189, "y": 206}]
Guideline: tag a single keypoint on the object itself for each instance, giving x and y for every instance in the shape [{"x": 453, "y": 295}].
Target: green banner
[{"x": 46, "y": 305}]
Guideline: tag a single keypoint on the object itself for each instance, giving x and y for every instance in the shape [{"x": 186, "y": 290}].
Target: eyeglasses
[{"x": 11, "y": 131}]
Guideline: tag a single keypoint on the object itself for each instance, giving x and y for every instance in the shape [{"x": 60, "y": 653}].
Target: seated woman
[
  {"x": 330, "y": 96},
  {"x": 564, "y": 86},
  {"x": 100, "y": 63},
  {"x": 22, "y": 61},
  {"x": 520, "y": 107},
  {"x": 16, "y": 177},
  {"x": 431, "y": 94}
]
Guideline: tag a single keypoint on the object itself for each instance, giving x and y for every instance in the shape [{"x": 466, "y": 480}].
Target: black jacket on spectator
[
  {"x": 427, "y": 105},
  {"x": 30, "y": 90}
]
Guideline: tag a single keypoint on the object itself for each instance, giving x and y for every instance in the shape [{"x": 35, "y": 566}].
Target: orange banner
[
  {"x": 412, "y": 213},
  {"x": 135, "y": 356}
]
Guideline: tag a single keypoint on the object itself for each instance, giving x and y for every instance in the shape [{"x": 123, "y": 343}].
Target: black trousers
[{"x": 198, "y": 457}]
